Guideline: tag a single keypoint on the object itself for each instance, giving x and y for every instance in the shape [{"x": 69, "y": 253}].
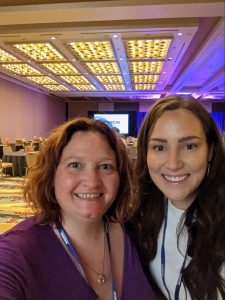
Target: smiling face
[
  {"x": 177, "y": 156},
  {"x": 86, "y": 180}
]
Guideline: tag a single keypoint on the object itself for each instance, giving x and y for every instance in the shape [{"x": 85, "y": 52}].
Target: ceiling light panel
[
  {"x": 75, "y": 79},
  {"x": 110, "y": 79},
  {"x": 103, "y": 68},
  {"x": 21, "y": 69},
  {"x": 85, "y": 87},
  {"x": 56, "y": 87},
  {"x": 145, "y": 78},
  {"x": 144, "y": 86},
  {"x": 42, "y": 79},
  {"x": 92, "y": 51},
  {"x": 39, "y": 51},
  {"x": 61, "y": 68},
  {"x": 145, "y": 67},
  {"x": 114, "y": 87},
  {"x": 6, "y": 57},
  {"x": 147, "y": 49}
]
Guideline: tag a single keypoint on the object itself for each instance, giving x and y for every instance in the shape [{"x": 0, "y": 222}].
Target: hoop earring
[{"x": 208, "y": 169}]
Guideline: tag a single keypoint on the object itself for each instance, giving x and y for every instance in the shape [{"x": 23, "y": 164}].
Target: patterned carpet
[{"x": 12, "y": 207}]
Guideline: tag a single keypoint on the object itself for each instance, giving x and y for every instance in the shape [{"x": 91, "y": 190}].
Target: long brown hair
[
  {"x": 39, "y": 191},
  {"x": 202, "y": 276}
]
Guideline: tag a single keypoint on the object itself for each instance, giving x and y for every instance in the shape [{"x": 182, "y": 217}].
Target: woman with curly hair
[
  {"x": 180, "y": 226},
  {"x": 75, "y": 246}
]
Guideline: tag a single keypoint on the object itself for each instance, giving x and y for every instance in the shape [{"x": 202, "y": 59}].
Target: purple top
[{"x": 35, "y": 266}]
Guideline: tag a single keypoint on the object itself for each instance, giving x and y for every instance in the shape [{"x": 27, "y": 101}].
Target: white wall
[{"x": 25, "y": 113}]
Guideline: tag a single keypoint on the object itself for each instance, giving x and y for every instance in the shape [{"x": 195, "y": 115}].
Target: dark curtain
[{"x": 139, "y": 119}]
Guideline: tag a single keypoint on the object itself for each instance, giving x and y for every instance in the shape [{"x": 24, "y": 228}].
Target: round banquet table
[{"x": 18, "y": 159}]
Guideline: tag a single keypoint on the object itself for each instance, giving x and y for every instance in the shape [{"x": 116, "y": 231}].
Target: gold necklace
[{"x": 101, "y": 276}]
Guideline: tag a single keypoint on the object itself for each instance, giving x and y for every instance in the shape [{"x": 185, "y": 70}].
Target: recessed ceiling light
[
  {"x": 156, "y": 96},
  {"x": 183, "y": 93},
  {"x": 115, "y": 35},
  {"x": 53, "y": 38},
  {"x": 179, "y": 33}
]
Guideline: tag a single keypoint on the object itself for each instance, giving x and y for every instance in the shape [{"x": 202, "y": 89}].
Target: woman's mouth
[
  {"x": 177, "y": 178},
  {"x": 88, "y": 195}
]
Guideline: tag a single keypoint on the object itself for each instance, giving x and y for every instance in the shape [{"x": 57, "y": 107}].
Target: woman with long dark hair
[{"x": 180, "y": 227}]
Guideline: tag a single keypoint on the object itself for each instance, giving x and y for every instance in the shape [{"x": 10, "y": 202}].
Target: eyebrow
[{"x": 183, "y": 139}]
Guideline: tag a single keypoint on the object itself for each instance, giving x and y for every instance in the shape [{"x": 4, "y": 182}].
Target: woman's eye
[
  {"x": 106, "y": 167},
  {"x": 75, "y": 165},
  {"x": 191, "y": 146},
  {"x": 158, "y": 147}
]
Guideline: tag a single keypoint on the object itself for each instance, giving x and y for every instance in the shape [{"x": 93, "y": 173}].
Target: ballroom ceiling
[{"x": 114, "y": 50}]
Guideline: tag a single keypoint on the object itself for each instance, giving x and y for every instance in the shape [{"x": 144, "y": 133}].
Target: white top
[{"x": 174, "y": 258}]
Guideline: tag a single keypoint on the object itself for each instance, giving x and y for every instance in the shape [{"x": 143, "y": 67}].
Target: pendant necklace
[
  {"x": 101, "y": 276},
  {"x": 101, "y": 279}
]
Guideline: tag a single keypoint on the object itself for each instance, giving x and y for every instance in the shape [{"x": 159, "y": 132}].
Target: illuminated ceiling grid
[
  {"x": 6, "y": 57},
  {"x": 61, "y": 68},
  {"x": 144, "y": 86},
  {"x": 147, "y": 49},
  {"x": 39, "y": 51},
  {"x": 145, "y": 67},
  {"x": 115, "y": 87},
  {"x": 90, "y": 51},
  {"x": 145, "y": 78},
  {"x": 110, "y": 79},
  {"x": 55, "y": 87},
  {"x": 88, "y": 65},
  {"x": 75, "y": 79},
  {"x": 85, "y": 87},
  {"x": 21, "y": 69},
  {"x": 41, "y": 79},
  {"x": 106, "y": 68}
]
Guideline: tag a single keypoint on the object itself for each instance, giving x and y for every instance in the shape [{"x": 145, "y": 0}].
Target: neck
[
  {"x": 77, "y": 229},
  {"x": 182, "y": 205}
]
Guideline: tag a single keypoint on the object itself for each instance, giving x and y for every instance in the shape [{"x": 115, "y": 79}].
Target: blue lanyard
[
  {"x": 163, "y": 259},
  {"x": 72, "y": 251}
]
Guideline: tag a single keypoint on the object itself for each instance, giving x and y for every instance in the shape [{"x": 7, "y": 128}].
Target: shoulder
[
  {"x": 23, "y": 236},
  {"x": 27, "y": 223}
]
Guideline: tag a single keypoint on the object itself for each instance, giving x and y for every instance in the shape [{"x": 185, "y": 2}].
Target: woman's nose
[
  {"x": 91, "y": 177},
  {"x": 174, "y": 160}
]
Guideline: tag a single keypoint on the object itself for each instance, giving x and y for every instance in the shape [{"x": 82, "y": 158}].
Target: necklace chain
[
  {"x": 101, "y": 276},
  {"x": 74, "y": 254}
]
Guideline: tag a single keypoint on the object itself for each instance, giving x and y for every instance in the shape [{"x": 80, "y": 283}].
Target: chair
[
  {"x": 28, "y": 148},
  {"x": 7, "y": 149},
  {"x": 6, "y": 165},
  {"x": 30, "y": 160},
  {"x": 13, "y": 146},
  {"x": 36, "y": 146},
  {"x": 132, "y": 154},
  {"x": 19, "y": 141}
]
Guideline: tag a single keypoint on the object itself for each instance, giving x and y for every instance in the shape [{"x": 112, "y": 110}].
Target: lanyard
[
  {"x": 163, "y": 259},
  {"x": 73, "y": 252}
]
